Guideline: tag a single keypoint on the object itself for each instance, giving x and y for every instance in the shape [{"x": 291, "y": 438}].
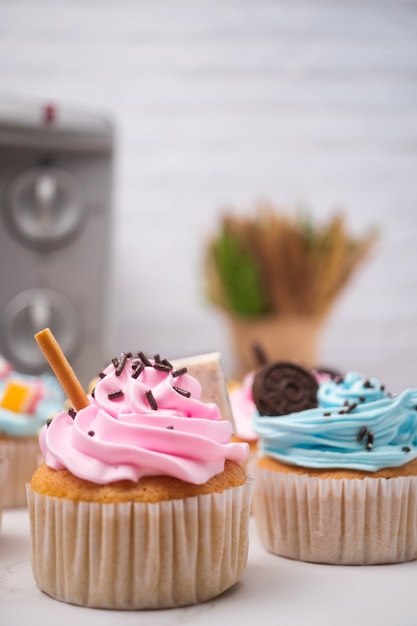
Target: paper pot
[{"x": 280, "y": 337}]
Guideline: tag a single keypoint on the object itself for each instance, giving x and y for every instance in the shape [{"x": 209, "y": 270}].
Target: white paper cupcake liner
[
  {"x": 4, "y": 466},
  {"x": 338, "y": 521},
  {"x": 24, "y": 457},
  {"x": 251, "y": 460},
  {"x": 137, "y": 555}
]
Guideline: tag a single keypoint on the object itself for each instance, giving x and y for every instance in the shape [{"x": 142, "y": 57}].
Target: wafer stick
[{"x": 62, "y": 369}]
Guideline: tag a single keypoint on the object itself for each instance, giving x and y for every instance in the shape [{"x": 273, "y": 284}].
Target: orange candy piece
[{"x": 20, "y": 396}]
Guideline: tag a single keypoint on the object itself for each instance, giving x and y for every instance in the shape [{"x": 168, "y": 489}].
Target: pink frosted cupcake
[{"x": 142, "y": 501}]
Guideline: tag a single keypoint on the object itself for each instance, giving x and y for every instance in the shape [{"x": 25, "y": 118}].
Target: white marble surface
[{"x": 290, "y": 592}]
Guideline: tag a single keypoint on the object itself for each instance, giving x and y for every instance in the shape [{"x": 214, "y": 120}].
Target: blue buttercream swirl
[
  {"x": 52, "y": 401},
  {"x": 356, "y": 425}
]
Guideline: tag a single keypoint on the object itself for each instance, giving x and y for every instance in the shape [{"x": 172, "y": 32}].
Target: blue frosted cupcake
[{"x": 336, "y": 478}]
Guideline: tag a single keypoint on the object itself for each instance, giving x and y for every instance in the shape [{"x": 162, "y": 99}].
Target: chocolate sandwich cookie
[{"x": 281, "y": 388}]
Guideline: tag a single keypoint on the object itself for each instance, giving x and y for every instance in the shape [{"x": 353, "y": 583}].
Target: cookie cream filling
[
  {"x": 356, "y": 425},
  {"x": 145, "y": 419}
]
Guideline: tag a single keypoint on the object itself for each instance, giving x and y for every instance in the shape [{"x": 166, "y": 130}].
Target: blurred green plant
[{"x": 277, "y": 263}]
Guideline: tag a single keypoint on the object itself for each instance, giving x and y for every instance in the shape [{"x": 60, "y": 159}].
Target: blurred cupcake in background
[
  {"x": 243, "y": 407},
  {"x": 26, "y": 403},
  {"x": 4, "y": 466}
]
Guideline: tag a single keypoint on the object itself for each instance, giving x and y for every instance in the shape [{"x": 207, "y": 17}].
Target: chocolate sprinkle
[
  {"x": 362, "y": 398},
  {"x": 170, "y": 427},
  {"x": 370, "y": 441},
  {"x": 406, "y": 449},
  {"x": 115, "y": 362},
  {"x": 161, "y": 367},
  {"x": 144, "y": 358},
  {"x": 122, "y": 363},
  {"x": 151, "y": 400},
  {"x": 91, "y": 433},
  {"x": 362, "y": 433},
  {"x": 102, "y": 375},
  {"x": 182, "y": 392},
  {"x": 179, "y": 372},
  {"x": 115, "y": 394},
  {"x": 368, "y": 384},
  {"x": 351, "y": 407},
  {"x": 327, "y": 414},
  {"x": 48, "y": 422},
  {"x": 157, "y": 358},
  {"x": 135, "y": 363},
  {"x": 342, "y": 412},
  {"x": 72, "y": 412},
  {"x": 138, "y": 369},
  {"x": 167, "y": 363}
]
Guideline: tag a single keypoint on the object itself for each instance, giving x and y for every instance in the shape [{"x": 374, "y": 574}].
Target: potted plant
[{"x": 276, "y": 277}]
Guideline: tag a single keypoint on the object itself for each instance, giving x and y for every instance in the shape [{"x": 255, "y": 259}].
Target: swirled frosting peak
[
  {"x": 144, "y": 419},
  {"x": 356, "y": 425}
]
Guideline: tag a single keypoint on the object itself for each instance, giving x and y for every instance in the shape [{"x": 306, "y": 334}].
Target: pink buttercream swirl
[
  {"x": 243, "y": 408},
  {"x": 152, "y": 424}
]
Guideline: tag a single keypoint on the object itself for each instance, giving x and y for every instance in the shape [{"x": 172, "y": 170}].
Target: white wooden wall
[{"x": 220, "y": 103}]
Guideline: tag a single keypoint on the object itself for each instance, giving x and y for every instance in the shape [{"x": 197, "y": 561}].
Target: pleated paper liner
[
  {"x": 24, "y": 457},
  {"x": 4, "y": 467},
  {"x": 138, "y": 555},
  {"x": 337, "y": 521}
]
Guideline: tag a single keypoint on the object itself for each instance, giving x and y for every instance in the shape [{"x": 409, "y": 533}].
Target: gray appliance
[{"x": 56, "y": 167}]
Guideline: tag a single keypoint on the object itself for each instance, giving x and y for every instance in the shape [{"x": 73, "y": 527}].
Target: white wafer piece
[{"x": 208, "y": 370}]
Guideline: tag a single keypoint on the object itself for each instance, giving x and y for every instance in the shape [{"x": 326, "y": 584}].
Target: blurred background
[{"x": 216, "y": 105}]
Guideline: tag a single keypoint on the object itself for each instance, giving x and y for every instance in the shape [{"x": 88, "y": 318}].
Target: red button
[{"x": 49, "y": 114}]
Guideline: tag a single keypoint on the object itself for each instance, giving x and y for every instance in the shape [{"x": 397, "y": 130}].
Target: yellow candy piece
[{"x": 18, "y": 396}]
